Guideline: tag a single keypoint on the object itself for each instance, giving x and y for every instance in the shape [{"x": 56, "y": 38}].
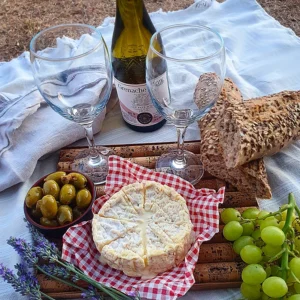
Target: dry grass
[{"x": 21, "y": 19}]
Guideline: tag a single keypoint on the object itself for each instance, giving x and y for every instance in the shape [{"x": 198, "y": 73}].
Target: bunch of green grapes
[{"x": 269, "y": 243}]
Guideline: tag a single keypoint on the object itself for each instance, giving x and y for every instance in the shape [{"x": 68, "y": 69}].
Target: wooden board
[{"x": 218, "y": 266}]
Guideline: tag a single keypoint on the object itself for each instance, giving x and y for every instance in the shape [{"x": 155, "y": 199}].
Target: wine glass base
[
  {"x": 190, "y": 169},
  {"x": 95, "y": 169}
]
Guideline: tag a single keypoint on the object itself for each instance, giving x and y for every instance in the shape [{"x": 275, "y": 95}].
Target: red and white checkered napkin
[{"x": 79, "y": 248}]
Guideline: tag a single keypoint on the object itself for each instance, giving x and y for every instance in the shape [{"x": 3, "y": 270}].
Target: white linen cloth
[
  {"x": 263, "y": 57},
  {"x": 29, "y": 128}
]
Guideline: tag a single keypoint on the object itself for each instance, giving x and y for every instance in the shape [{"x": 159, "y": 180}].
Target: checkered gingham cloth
[{"x": 79, "y": 248}]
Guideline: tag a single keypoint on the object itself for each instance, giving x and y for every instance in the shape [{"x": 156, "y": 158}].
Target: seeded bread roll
[
  {"x": 250, "y": 177},
  {"x": 259, "y": 127}
]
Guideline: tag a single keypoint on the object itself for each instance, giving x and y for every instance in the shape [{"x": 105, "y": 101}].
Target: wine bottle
[{"x": 131, "y": 38}]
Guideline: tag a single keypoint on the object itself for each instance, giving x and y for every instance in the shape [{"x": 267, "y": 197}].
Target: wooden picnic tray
[{"x": 218, "y": 266}]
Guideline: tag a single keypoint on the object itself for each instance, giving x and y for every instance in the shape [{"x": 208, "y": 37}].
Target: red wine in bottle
[{"x": 131, "y": 38}]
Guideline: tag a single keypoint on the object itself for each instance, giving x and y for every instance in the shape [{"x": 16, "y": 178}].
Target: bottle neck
[{"x": 131, "y": 12}]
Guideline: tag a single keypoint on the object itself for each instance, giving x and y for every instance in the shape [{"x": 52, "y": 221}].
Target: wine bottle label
[{"x": 136, "y": 105}]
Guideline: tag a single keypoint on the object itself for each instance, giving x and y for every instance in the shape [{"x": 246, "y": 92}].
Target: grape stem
[
  {"x": 286, "y": 229},
  {"x": 297, "y": 210},
  {"x": 271, "y": 214},
  {"x": 294, "y": 277},
  {"x": 277, "y": 256}
]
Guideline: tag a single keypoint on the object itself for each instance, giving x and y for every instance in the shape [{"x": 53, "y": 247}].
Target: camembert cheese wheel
[{"x": 144, "y": 229}]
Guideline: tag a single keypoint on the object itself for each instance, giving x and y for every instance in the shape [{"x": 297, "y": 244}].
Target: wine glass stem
[
  {"x": 95, "y": 157},
  {"x": 180, "y": 145}
]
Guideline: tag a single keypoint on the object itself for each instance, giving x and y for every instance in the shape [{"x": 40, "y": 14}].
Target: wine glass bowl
[
  {"x": 185, "y": 70},
  {"x": 72, "y": 70}
]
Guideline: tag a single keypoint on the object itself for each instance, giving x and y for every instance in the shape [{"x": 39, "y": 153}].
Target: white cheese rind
[
  {"x": 106, "y": 230},
  {"x": 143, "y": 230},
  {"x": 119, "y": 208}
]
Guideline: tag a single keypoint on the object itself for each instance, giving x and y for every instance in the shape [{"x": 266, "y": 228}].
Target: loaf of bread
[
  {"x": 258, "y": 127},
  {"x": 250, "y": 177}
]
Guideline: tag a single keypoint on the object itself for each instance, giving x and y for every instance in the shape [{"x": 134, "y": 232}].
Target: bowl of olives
[{"x": 58, "y": 201}]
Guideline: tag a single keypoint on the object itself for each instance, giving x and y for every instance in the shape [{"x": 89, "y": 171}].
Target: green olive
[
  {"x": 33, "y": 195},
  {"x": 64, "y": 214},
  {"x": 78, "y": 180},
  {"x": 49, "y": 207},
  {"x": 51, "y": 187},
  {"x": 36, "y": 211},
  {"x": 56, "y": 176},
  {"x": 77, "y": 212},
  {"x": 67, "y": 194},
  {"x": 49, "y": 223},
  {"x": 36, "y": 214},
  {"x": 38, "y": 205},
  {"x": 83, "y": 198}
]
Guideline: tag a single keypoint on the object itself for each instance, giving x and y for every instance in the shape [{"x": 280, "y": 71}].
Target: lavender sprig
[
  {"x": 47, "y": 250},
  {"x": 44, "y": 248},
  {"x": 24, "y": 282},
  {"x": 61, "y": 272},
  {"x": 24, "y": 250},
  {"x": 91, "y": 294},
  {"x": 65, "y": 272}
]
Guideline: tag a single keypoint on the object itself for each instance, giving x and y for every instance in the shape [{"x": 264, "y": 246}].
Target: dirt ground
[{"x": 21, "y": 19}]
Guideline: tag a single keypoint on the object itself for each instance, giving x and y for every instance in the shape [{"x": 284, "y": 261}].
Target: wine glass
[
  {"x": 185, "y": 68},
  {"x": 72, "y": 70}
]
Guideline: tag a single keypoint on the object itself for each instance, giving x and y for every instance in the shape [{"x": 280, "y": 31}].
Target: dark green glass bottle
[{"x": 131, "y": 38}]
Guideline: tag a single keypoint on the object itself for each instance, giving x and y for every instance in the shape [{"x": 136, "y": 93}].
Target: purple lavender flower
[
  {"x": 61, "y": 272},
  {"x": 24, "y": 249},
  {"x": 25, "y": 283},
  {"x": 43, "y": 247},
  {"x": 91, "y": 294}
]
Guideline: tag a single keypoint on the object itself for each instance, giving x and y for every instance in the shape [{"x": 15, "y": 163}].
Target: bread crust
[
  {"x": 259, "y": 127},
  {"x": 250, "y": 177}
]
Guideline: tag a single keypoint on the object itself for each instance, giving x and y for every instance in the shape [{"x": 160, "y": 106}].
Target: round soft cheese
[{"x": 144, "y": 229}]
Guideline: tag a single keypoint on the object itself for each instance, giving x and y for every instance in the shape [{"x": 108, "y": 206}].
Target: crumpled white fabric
[
  {"x": 29, "y": 128},
  {"x": 263, "y": 57}
]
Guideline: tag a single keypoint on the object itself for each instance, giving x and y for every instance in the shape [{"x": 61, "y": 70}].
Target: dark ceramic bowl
[{"x": 58, "y": 231}]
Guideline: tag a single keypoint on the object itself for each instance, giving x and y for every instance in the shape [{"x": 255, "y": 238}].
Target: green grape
[
  {"x": 270, "y": 251},
  {"x": 257, "y": 239},
  {"x": 230, "y": 214},
  {"x": 296, "y": 225},
  {"x": 268, "y": 270},
  {"x": 275, "y": 270},
  {"x": 232, "y": 230},
  {"x": 284, "y": 214},
  {"x": 251, "y": 292},
  {"x": 274, "y": 287},
  {"x": 294, "y": 297},
  {"x": 261, "y": 214},
  {"x": 290, "y": 279},
  {"x": 294, "y": 266},
  {"x": 241, "y": 242},
  {"x": 254, "y": 274},
  {"x": 248, "y": 228},
  {"x": 266, "y": 297},
  {"x": 273, "y": 235},
  {"x": 297, "y": 287},
  {"x": 281, "y": 224},
  {"x": 250, "y": 213},
  {"x": 297, "y": 242},
  {"x": 269, "y": 221},
  {"x": 278, "y": 216},
  {"x": 251, "y": 254},
  {"x": 256, "y": 234}
]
